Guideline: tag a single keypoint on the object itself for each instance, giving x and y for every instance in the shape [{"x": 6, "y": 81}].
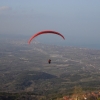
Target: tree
[{"x": 77, "y": 93}]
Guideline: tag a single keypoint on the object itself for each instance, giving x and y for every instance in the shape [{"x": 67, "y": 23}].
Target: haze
[{"x": 77, "y": 20}]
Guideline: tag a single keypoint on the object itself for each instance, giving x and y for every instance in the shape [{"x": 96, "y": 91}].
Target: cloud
[{"x": 4, "y": 8}]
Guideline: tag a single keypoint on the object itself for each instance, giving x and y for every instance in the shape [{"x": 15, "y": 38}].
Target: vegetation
[{"x": 25, "y": 73}]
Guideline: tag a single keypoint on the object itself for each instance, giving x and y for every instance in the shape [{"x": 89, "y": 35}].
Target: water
[{"x": 79, "y": 45}]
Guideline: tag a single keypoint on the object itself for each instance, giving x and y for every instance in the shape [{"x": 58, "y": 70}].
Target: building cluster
[{"x": 86, "y": 96}]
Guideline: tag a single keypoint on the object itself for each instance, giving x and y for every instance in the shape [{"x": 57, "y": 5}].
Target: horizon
[{"x": 53, "y": 42}]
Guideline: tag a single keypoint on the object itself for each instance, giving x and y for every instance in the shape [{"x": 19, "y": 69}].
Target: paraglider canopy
[{"x": 45, "y": 32}]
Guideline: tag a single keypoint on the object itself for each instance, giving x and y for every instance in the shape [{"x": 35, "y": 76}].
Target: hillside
[{"x": 24, "y": 68}]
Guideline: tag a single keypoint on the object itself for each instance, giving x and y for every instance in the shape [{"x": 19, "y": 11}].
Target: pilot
[{"x": 49, "y": 61}]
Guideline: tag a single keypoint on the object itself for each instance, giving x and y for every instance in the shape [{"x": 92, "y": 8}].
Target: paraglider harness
[{"x": 49, "y": 61}]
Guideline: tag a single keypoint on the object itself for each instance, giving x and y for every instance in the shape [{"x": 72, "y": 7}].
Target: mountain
[{"x": 21, "y": 80}]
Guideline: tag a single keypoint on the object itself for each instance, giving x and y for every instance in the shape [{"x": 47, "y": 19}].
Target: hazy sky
[{"x": 77, "y": 20}]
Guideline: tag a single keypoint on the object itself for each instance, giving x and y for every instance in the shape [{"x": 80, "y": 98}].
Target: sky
[{"x": 77, "y": 20}]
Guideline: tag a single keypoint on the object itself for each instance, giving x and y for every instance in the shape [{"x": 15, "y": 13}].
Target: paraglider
[
  {"x": 49, "y": 61},
  {"x": 45, "y": 32}
]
